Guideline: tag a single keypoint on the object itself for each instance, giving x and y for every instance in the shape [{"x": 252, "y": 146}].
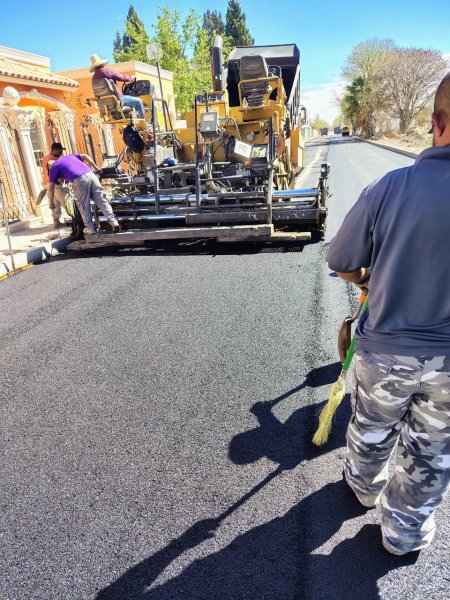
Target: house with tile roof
[
  {"x": 35, "y": 110},
  {"x": 39, "y": 107}
]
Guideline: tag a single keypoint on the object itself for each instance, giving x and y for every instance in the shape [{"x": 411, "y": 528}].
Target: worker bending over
[{"x": 86, "y": 187}]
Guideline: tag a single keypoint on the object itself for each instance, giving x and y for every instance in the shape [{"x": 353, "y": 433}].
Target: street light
[{"x": 154, "y": 54}]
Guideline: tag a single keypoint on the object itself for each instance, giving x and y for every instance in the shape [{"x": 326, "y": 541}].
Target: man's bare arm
[
  {"x": 51, "y": 194},
  {"x": 90, "y": 163},
  {"x": 360, "y": 277}
]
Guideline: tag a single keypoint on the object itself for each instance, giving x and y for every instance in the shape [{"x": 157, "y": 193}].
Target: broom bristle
[{"x": 337, "y": 393}]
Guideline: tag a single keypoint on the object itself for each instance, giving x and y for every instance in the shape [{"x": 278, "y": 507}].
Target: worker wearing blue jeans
[{"x": 102, "y": 72}]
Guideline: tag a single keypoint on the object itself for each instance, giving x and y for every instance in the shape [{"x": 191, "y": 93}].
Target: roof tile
[{"x": 10, "y": 68}]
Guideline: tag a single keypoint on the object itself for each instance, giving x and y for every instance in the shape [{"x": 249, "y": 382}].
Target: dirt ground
[{"x": 414, "y": 141}]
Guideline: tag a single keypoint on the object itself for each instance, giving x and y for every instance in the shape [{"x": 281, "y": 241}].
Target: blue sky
[{"x": 325, "y": 31}]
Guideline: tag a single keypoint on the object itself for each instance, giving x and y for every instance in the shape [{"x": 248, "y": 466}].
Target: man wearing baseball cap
[
  {"x": 77, "y": 168},
  {"x": 60, "y": 191}
]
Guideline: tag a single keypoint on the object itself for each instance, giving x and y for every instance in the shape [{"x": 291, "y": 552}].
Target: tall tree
[
  {"x": 353, "y": 105},
  {"x": 185, "y": 52},
  {"x": 117, "y": 46},
  {"x": 365, "y": 57},
  {"x": 134, "y": 40},
  {"x": 364, "y": 95},
  {"x": 319, "y": 123},
  {"x": 236, "y": 25},
  {"x": 410, "y": 77},
  {"x": 213, "y": 23}
]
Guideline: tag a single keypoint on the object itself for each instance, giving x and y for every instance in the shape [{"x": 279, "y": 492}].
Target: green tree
[
  {"x": 134, "y": 40},
  {"x": 365, "y": 92},
  {"x": 213, "y": 23},
  {"x": 364, "y": 59},
  {"x": 117, "y": 47},
  {"x": 319, "y": 123},
  {"x": 353, "y": 106},
  {"x": 236, "y": 25},
  {"x": 185, "y": 47}
]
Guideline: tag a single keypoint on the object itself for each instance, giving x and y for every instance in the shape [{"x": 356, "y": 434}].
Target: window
[{"x": 37, "y": 144}]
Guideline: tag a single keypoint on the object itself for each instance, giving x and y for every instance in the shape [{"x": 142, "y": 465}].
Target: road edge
[
  {"x": 34, "y": 256},
  {"x": 391, "y": 148}
]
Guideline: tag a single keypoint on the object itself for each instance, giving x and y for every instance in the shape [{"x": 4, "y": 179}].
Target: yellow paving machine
[{"x": 229, "y": 173}]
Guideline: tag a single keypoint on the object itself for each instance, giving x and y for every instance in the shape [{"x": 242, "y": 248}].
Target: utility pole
[{"x": 154, "y": 54}]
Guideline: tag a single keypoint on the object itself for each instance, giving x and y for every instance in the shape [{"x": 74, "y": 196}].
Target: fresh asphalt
[{"x": 157, "y": 410}]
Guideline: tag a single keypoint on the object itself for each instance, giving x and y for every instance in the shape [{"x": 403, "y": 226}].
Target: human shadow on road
[
  {"x": 289, "y": 443},
  {"x": 270, "y": 561}
]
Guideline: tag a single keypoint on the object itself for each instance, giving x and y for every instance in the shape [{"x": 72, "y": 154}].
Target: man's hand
[
  {"x": 360, "y": 278},
  {"x": 363, "y": 284}
]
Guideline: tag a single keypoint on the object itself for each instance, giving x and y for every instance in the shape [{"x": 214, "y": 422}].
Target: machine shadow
[
  {"x": 272, "y": 560},
  {"x": 288, "y": 444},
  {"x": 191, "y": 248}
]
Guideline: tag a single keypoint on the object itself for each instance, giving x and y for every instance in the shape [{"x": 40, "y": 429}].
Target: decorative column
[
  {"x": 69, "y": 117},
  {"x": 13, "y": 185},
  {"x": 21, "y": 120}
]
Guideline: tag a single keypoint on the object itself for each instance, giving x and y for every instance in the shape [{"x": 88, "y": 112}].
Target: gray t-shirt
[{"x": 400, "y": 227}]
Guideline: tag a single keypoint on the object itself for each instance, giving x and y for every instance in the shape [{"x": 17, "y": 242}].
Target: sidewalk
[{"x": 32, "y": 241}]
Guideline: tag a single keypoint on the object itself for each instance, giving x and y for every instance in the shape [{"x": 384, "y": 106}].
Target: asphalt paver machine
[{"x": 229, "y": 173}]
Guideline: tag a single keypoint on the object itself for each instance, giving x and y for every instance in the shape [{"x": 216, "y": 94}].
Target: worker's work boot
[
  {"x": 57, "y": 223},
  {"x": 114, "y": 224},
  {"x": 89, "y": 230}
]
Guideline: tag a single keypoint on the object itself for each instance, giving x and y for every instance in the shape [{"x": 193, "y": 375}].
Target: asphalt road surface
[{"x": 156, "y": 414}]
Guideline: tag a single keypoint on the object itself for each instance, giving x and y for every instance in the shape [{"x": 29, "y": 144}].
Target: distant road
[{"x": 157, "y": 410}]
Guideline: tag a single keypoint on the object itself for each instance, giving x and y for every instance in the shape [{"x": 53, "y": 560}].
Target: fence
[
  {"x": 17, "y": 194},
  {"x": 20, "y": 161}
]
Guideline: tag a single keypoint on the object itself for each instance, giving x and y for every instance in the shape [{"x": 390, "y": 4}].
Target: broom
[{"x": 337, "y": 393}]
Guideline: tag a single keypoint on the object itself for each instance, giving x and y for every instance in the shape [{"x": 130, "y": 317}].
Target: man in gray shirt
[{"x": 398, "y": 235}]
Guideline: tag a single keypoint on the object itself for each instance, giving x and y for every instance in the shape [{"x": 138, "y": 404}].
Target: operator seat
[
  {"x": 108, "y": 100},
  {"x": 253, "y": 66}
]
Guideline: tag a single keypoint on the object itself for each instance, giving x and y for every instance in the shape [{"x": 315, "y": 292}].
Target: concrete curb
[
  {"x": 391, "y": 148},
  {"x": 35, "y": 255}
]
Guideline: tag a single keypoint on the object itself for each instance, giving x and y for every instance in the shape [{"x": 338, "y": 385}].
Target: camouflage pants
[{"x": 407, "y": 399}]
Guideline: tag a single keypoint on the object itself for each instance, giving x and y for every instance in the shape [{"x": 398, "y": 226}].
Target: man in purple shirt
[
  {"x": 86, "y": 187},
  {"x": 103, "y": 72}
]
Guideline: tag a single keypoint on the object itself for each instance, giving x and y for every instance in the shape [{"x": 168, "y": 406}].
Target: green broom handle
[{"x": 351, "y": 350}]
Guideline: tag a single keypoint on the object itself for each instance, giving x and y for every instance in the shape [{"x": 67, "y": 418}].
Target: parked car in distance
[
  {"x": 324, "y": 131},
  {"x": 337, "y": 130},
  {"x": 345, "y": 130}
]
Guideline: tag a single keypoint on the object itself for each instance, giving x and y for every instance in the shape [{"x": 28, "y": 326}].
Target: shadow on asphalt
[
  {"x": 346, "y": 141},
  {"x": 288, "y": 443},
  {"x": 270, "y": 561},
  {"x": 276, "y": 559},
  {"x": 328, "y": 141},
  {"x": 191, "y": 248}
]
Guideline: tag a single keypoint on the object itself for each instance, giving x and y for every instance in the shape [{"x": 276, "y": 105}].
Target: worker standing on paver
[
  {"x": 397, "y": 235},
  {"x": 86, "y": 187}
]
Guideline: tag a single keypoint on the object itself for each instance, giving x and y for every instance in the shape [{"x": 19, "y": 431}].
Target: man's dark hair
[{"x": 442, "y": 98}]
